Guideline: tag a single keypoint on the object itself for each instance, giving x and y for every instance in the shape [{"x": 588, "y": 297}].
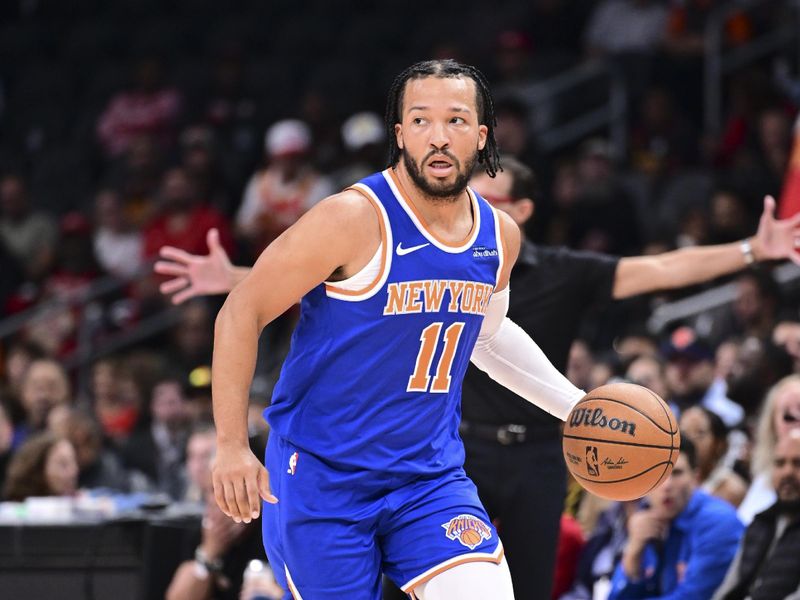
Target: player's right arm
[{"x": 339, "y": 234}]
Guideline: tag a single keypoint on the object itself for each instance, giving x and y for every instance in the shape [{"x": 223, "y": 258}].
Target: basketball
[{"x": 621, "y": 441}]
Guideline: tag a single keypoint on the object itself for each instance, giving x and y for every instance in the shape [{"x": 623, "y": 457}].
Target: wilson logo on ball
[{"x": 596, "y": 418}]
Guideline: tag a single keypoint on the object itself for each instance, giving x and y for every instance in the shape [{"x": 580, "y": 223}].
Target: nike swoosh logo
[{"x": 403, "y": 251}]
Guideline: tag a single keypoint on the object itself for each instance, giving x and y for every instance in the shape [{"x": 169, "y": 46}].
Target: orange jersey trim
[
  {"x": 447, "y": 565},
  {"x": 424, "y": 224},
  {"x": 331, "y": 287},
  {"x": 501, "y": 240}
]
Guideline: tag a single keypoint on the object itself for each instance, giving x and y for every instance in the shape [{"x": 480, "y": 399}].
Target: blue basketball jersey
[{"x": 373, "y": 377}]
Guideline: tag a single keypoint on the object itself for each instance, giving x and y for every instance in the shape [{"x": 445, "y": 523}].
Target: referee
[{"x": 513, "y": 448}]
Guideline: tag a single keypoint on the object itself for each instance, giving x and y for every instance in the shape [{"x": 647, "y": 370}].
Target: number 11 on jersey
[{"x": 420, "y": 380}]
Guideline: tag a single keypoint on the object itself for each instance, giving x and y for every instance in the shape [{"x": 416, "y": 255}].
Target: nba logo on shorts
[
  {"x": 469, "y": 530},
  {"x": 292, "y": 464},
  {"x": 592, "y": 466}
]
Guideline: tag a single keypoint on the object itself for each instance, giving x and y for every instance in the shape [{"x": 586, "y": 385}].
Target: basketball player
[
  {"x": 554, "y": 283},
  {"x": 403, "y": 279}
]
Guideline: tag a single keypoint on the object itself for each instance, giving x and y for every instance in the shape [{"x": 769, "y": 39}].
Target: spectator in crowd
[
  {"x": 580, "y": 364},
  {"x": 137, "y": 174},
  {"x": 11, "y": 278},
  {"x": 45, "y": 465},
  {"x": 97, "y": 466},
  {"x": 6, "y": 439},
  {"x": 192, "y": 341},
  {"x": 116, "y": 398},
  {"x": 570, "y": 545},
  {"x": 662, "y": 140},
  {"x": 681, "y": 545},
  {"x": 649, "y": 372},
  {"x": 709, "y": 435},
  {"x": 117, "y": 245},
  {"x": 780, "y": 414},
  {"x": 278, "y": 195},
  {"x": 600, "y": 216},
  {"x": 757, "y": 366},
  {"x": 729, "y": 217},
  {"x": 158, "y": 448},
  {"x": 686, "y": 29},
  {"x": 626, "y": 26},
  {"x": 232, "y": 110},
  {"x": 225, "y": 547},
  {"x": 19, "y": 355},
  {"x": 602, "y": 553},
  {"x": 756, "y": 305},
  {"x": 363, "y": 137},
  {"x": 767, "y": 564},
  {"x": 200, "y": 160},
  {"x": 691, "y": 376},
  {"x": 44, "y": 387},
  {"x": 184, "y": 218},
  {"x": 148, "y": 107},
  {"x": 30, "y": 236},
  {"x": 786, "y": 335}
]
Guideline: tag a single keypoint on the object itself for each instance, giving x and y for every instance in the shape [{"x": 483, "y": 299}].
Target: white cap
[
  {"x": 290, "y": 136},
  {"x": 362, "y": 129}
]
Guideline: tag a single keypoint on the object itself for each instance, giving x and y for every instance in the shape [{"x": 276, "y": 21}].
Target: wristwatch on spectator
[
  {"x": 203, "y": 566},
  {"x": 747, "y": 251}
]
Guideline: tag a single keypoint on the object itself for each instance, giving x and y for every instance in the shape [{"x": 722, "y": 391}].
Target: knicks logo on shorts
[{"x": 469, "y": 530}]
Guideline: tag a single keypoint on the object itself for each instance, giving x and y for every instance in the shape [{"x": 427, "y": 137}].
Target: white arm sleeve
[{"x": 509, "y": 356}]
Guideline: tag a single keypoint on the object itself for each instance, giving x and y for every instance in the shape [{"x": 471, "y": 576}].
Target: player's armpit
[
  {"x": 341, "y": 231},
  {"x": 511, "y": 241}
]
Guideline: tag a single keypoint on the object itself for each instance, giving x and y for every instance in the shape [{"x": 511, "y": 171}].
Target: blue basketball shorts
[{"x": 333, "y": 532}]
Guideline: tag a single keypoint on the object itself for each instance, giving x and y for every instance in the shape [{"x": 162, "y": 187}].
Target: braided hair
[{"x": 489, "y": 156}]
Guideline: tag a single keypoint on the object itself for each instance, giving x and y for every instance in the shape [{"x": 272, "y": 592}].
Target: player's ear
[
  {"x": 483, "y": 132},
  {"x": 523, "y": 209},
  {"x": 398, "y": 134}
]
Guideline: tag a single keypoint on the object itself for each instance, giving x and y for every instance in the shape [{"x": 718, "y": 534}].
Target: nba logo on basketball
[
  {"x": 469, "y": 530},
  {"x": 592, "y": 464},
  {"x": 292, "y": 464}
]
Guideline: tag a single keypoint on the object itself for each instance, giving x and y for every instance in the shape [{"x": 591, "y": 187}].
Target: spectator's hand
[
  {"x": 644, "y": 526},
  {"x": 194, "y": 275},
  {"x": 239, "y": 479},
  {"x": 219, "y": 532},
  {"x": 777, "y": 239}
]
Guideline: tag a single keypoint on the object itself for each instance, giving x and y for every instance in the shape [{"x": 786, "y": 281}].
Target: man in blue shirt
[{"x": 680, "y": 546}]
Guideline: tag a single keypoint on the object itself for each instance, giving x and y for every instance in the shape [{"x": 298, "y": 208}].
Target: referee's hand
[{"x": 240, "y": 481}]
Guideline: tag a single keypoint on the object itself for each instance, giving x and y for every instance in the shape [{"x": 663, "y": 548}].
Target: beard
[{"x": 440, "y": 190}]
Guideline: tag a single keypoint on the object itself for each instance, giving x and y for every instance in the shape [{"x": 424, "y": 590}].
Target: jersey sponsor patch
[
  {"x": 483, "y": 252},
  {"x": 468, "y": 530}
]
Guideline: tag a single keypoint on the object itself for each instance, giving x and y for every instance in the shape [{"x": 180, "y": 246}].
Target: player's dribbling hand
[{"x": 240, "y": 481}]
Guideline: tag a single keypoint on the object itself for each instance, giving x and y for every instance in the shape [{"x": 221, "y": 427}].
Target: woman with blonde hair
[{"x": 780, "y": 413}]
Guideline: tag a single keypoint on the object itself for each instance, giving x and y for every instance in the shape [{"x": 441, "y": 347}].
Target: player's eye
[
  {"x": 457, "y": 120},
  {"x": 418, "y": 120}
]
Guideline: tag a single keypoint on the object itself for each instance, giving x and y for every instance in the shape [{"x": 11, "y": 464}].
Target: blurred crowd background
[{"x": 126, "y": 125}]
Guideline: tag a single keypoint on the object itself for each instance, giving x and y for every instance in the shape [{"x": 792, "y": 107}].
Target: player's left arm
[{"x": 509, "y": 355}]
